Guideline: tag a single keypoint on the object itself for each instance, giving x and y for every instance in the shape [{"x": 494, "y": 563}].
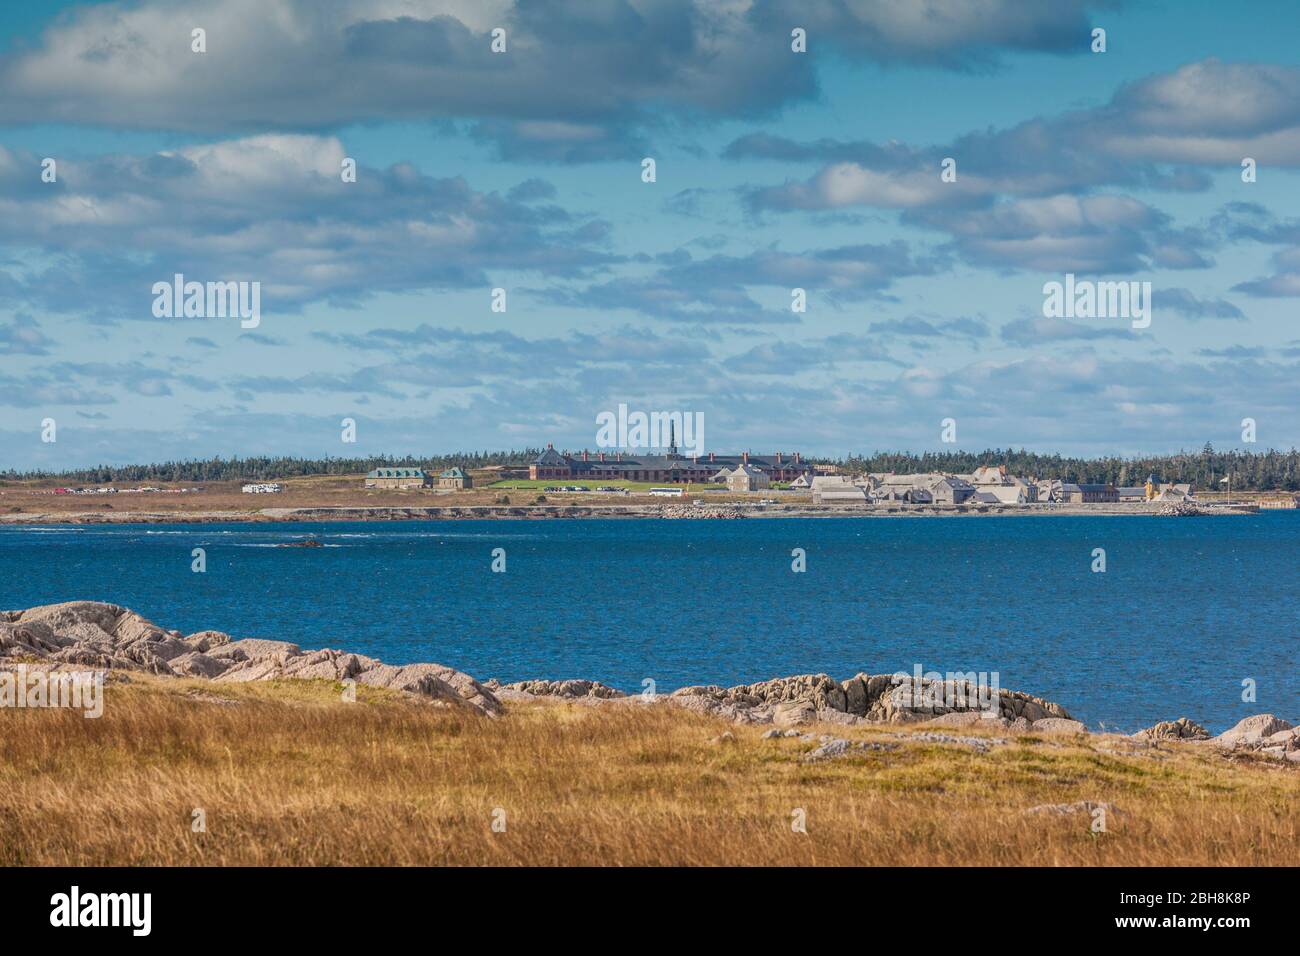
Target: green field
[{"x": 526, "y": 484}]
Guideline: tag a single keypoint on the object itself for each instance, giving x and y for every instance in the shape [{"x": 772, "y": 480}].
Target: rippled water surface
[{"x": 1186, "y": 610}]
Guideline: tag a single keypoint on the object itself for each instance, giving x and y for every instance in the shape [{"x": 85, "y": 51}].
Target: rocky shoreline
[{"x": 82, "y": 635}]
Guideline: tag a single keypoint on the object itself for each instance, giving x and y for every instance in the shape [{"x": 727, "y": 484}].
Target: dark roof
[{"x": 397, "y": 473}]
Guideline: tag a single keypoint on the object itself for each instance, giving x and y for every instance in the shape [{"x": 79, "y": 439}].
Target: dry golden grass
[{"x": 289, "y": 774}]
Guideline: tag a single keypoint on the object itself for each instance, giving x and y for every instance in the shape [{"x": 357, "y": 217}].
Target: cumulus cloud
[
  {"x": 1157, "y": 133},
  {"x": 1066, "y": 233},
  {"x": 273, "y": 209},
  {"x": 578, "y": 81},
  {"x": 1165, "y": 132},
  {"x": 1283, "y": 283},
  {"x": 1209, "y": 112},
  {"x": 950, "y": 33}
]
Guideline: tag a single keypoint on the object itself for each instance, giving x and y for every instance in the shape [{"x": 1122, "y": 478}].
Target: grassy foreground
[{"x": 287, "y": 773}]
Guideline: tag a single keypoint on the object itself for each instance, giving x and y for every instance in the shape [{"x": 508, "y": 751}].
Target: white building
[{"x": 262, "y": 488}]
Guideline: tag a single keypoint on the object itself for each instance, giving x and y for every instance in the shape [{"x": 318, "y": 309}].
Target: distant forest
[
  {"x": 269, "y": 469},
  {"x": 1251, "y": 471}
]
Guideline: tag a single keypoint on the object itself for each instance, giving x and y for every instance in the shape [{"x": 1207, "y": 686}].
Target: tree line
[
  {"x": 1270, "y": 470},
  {"x": 267, "y": 468}
]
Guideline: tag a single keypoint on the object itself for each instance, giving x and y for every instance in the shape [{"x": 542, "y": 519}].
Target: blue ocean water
[{"x": 1186, "y": 610}]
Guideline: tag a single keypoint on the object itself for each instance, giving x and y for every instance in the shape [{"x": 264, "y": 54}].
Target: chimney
[
  {"x": 710, "y": 456},
  {"x": 584, "y": 455},
  {"x": 778, "y": 458},
  {"x": 602, "y": 456},
  {"x": 796, "y": 458},
  {"x": 549, "y": 445},
  {"x": 745, "y": 457}
]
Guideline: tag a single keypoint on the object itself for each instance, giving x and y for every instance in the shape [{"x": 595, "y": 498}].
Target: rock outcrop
[
  {"x": 874, "y": 698},
  {"x": 94, "y": 634},
  {"x": 1264, "y": 733},
  {"x": 565, "y": 689},
  {"x": 1180, "y": 729}
]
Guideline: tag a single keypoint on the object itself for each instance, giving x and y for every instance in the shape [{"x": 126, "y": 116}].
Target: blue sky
[{"x": 522, "y": 171}]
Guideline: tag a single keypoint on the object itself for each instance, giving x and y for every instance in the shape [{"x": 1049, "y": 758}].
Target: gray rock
[
  {"x": 1059, "y": 725},
  {"x": 1251, "y": 731},
  {"x": 106, "y": 635},
  {"x": 794, "y": 713},
  {"x": 566, "y": 688},
  {"x": 855, "y": 696},
  {"x": 204, "y": 641},
  {"x": 968, "y": 718},
  {"x": 1180, "y": 729},
  {"x": 827, "y": 716},
  {"x": 256, "y": 647},
  {"x": 832, "y": 747},
  {"x": 196, "y": 664}
]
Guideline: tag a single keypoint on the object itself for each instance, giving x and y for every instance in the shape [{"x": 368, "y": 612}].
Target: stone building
[
  {"x": 455, "y": 479},
  {"x": 398, "y": 478},
  {"x": 745, "y": 477}
]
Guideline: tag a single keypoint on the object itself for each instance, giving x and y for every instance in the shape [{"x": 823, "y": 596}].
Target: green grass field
[{"x": 635, "y": 487}]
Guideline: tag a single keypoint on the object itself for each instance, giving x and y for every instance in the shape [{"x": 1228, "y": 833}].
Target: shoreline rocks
[
  {"x": 94, "y": 634},
  {"x": 1180, "y": 729},
  {"x": 99, "y": 635},
  {"x": 870, "y": 698}
]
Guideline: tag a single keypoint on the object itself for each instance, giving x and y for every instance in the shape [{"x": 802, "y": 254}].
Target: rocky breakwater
[
  {"x": 700, "y": 511},
  {"x": 83, "y": 635}
]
